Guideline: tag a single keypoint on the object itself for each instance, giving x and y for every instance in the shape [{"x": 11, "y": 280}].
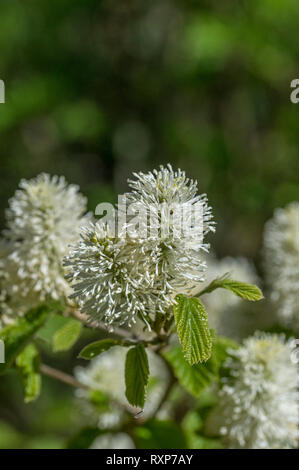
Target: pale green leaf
[
  {"x": 66, "y": 336},
  {"x": 52, "y": 325},
  {"x": 28, "y": 366},
  {"x": 241, "y": 289},
  {"x": 17, "y": 336},
  {"x": 136, "y": 375},
  {"x": 193, "y": 329}
]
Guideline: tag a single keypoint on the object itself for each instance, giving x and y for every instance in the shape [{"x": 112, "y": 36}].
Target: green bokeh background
[{"x": 98, "y": 89}]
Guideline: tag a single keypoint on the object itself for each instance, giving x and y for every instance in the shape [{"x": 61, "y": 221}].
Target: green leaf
[
  {"x": 156, "y": 434},
  {"x": 94, "y": 349},
  {"x": 84, "y": 438},
  {"x": 193, "y": 329},
  {"x": 52, "y": 325},
  {"x": 196, "y": 441},
  {"x": 28, "y": 365},
  {"x": 192, "y": 425},
  {"x": 17, "y": 336},
  {"x": 199, "y": 376},
  {"x": 67, "y": 335},
  {"x": 99, "y": 400},
  {"x": 221, "y": 349},
  {"x": 193, "y": 378},
  {"x": 241, "y": 289},
  {"x": 136, "y": 375}
]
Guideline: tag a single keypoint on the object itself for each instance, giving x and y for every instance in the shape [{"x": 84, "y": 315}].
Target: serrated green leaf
[
  {"x": 193, "y": 378},
  {"x": 66, "y": 336},
  {"x": 136, "y": 375},
  {"x": 28, "y": 366},
  {"x": 98, "y": 347},
  {"x": 193, "y": 329},
  {"x": 17, "y": 336},
  {"x": 241, "y": 289}
]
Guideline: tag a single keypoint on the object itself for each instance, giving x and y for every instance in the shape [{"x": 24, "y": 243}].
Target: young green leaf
[
  {"x": 94, "y": 349},
  {"x": 193, "y": 378},
  {"x": 16, "y": 337},
  {"x": 193, "y": 329},
  {"x": 241, "y": 289},
  {"x": 28, "y": 365},
  {"x": 136, "y": 375},
  {"x": 67, "y": 335}
]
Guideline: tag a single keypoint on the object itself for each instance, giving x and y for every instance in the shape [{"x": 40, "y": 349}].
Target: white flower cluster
[
  {"x": 44, "y": 217},
  {"x": 258, "y": 403},
  {"x": 117, "y": 279},
  {"x": 106, "y": 374},
  {"x": 281, "y": 253}
]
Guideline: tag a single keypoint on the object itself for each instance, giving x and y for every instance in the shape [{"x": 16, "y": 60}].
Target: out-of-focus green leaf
[
  {"x": 84, "y": 438},
  {"x": 52, "y": 325},
  {"x": 196, "y": 441},
  {"x": 16, "y": 337},
  {"x": 221, "y": 349},
  {"x": 193, "y": 329},
  {"x": 66, "y": 336},
  {"x": 136, "y": 375},
  {"x": 199, "y": 376},
  {"x": 9, "y": 437},
  {"x": 193, "y": 427},
  {"x": 28, "y": 365},
  {"x": 99, "y": 400},
  {"x": 156, "y": 434}
]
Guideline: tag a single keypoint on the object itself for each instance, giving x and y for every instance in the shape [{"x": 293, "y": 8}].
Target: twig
[
  {"x": 62, "y": 377},
  {"x": 70, "y": 380},
  {"x": 120, "y": 333},
  {"x": 94, "y": 324},
  {"x": 172, "y": 381}
]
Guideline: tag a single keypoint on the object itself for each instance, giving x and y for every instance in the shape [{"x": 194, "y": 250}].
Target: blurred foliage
[{"x": 96, "y": 89}]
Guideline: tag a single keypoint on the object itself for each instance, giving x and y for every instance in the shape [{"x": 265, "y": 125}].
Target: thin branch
[
  {"x": 100, "y": 325},
  {"x": 62, "y": 377},
  {"x": 120, "y": 333},
  {"x": 70, "y": 380},
  {"x": 172, "y": 381}
]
